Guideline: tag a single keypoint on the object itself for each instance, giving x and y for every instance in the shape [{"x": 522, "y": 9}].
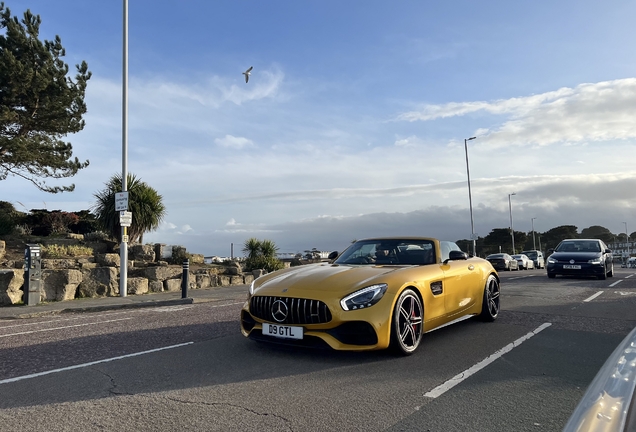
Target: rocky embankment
[{"x": 98, "y": 275}]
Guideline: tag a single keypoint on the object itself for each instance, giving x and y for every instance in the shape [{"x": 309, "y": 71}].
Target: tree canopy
[{"x": 39, "y": 104}]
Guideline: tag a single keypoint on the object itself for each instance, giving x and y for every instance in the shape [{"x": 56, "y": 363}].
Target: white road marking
[
  {"x": 61, "y": 319},
  {"x": 171, "y": 308},
  {"x": 521, "y": 277},
  {"x": 627, "y": 277},
  {"x": 623, "y": 293},
  {"x": 65, "y": 327},
  {"x": 35, "y": 375},
  {"x": 592, "y": 297},
  {"x": 616, "y": 283},
  {"x": 443, "y": 388}
]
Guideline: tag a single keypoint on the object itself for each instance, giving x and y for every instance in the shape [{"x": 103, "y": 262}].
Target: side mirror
[
  {"x": 550, "y": 251},
  {"x": 608, "y": 251},
  {"x": 333, "y": 255},
  {"x": 456, "y": 255}
]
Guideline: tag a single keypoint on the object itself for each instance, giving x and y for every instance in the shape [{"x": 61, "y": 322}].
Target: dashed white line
[
  {"x": 443, "y": 388},
  {"x": 62, "y": 319},
  {"x": 521, "y": 277},
  {"x": 616, "y": 283},
  {"x": 20, "y": 378},
  {"x": 64, "y": 327},
  {"x": 627, "y": 277},
  {"x": 592, "y": 297}
]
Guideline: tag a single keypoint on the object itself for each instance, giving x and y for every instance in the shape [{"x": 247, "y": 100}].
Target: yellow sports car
[{"x": 378, "y": 293}]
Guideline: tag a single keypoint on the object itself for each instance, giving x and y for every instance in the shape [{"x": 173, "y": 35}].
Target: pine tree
[{"x": 39, "y": 104}]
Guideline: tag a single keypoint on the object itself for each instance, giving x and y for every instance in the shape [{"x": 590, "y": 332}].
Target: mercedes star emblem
[{"x": 279, "y": 310}]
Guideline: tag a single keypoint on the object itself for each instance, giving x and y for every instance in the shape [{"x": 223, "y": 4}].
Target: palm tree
[
  {"x": 144, "y": 202},
  {"x": 268, "y": 248},
  {"x": 252, "y": 247},
  {"x": 261, "y": 254}
]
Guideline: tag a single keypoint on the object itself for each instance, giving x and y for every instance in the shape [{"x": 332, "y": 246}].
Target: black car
[
  {"x": 503, "y": 261},
  {"x": 581, "y": 257}
]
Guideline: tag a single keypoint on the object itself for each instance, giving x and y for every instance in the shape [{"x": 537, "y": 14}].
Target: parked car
[
  {"x": 608, "y": 403},
  {"x": 503, "y": 261},
  {"x": 581, "y": 257},
  {"x": 524, "y": 262},
  {"x": 378, "y": 293},
  {"x": 537, "y": 257}
]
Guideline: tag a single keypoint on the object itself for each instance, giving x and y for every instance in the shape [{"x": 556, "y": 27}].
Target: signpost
[
  {"x": 121, "y": 201},
  {"x": 125, "y": 218}
]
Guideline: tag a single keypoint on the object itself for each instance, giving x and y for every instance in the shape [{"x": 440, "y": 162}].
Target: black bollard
[{"x": 185, "y": 279}]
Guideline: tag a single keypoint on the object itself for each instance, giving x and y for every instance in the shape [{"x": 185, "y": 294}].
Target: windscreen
[{"x": 389, "y": 252}]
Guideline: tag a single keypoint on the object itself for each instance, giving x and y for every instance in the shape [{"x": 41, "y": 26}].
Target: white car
[{"x": 525, "y": 263}]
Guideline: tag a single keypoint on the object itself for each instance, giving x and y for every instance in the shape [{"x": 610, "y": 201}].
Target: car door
[{"x": 462, "y": 280}]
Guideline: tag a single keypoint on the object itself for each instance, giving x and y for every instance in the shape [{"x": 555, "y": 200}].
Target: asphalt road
[{"x": 188, "y": 368}]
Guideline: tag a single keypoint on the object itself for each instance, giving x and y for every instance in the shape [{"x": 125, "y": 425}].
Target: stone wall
[{"x": 98, "y": 276}]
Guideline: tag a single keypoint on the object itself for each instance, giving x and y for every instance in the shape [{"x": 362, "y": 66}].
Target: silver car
[{"x": 537, "y": 257}]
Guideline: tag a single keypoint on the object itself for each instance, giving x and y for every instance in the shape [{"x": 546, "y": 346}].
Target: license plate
[
  {"x": 282, "y": 331},
  {"x": 571, "y": 267}
]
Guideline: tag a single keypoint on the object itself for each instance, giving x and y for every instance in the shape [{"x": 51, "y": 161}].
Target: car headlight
[
  {"x": 596, "y": 260},
  {"x": 250, "y": 291},
  {"x": 551, "y": 261},
  {"x": 364, "y": 298}
]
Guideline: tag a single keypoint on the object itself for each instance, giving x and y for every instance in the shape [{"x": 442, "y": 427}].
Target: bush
[
  {"x": 61, "y": 251},
  {"x": 262, "y": 262},
  {"x": 96, "y": 236},
  {"x": 59, "y": 222},
  {"x": 179, "y": 255},
  {"x": 23, "y": 230},
  {"x": 7, "y": 224}
]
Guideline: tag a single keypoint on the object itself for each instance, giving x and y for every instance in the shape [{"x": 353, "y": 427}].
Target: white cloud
[
  {"x": 411, "y": 141},
  {"x": 234, "y": 142},
  {"x": 589, "y": 112}
]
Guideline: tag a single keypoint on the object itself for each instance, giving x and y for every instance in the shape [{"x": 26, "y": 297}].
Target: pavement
[{"x": 232, "y": 292}]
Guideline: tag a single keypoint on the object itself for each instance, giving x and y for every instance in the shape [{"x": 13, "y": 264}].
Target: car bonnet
[{"x": 324, "y": 278}]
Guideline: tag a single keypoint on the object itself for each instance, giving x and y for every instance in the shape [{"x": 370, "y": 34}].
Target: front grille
[{"x": 299, "y": 311}]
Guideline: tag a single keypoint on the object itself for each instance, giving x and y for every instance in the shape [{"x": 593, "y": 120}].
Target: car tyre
[
  {"x": 490, "y": 303},
  {"x": 551, "y": 275},
  {"x": 604, "y": 275},
  {"x": 611, "y": 272},
  {"x": 408, "y": 323}
]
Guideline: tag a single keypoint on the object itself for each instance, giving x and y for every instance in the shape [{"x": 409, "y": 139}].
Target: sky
[{"x": 353, "y": 122}]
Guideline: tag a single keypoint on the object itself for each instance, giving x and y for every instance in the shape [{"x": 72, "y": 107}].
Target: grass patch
[{"x": 65, "y": 251}]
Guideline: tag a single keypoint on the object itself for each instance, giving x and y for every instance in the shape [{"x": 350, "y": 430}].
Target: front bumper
[
  {"x": 359, "y": 330},
  {"x": 586, "y": 269}
]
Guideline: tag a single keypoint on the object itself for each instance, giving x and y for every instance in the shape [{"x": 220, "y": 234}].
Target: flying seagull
[{"x": 247, "y": 73}]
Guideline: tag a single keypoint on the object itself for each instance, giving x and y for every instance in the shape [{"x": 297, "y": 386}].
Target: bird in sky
[{"x": 247, "y": 73}]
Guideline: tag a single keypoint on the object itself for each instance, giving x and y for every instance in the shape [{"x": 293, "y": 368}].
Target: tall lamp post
[
  {"x": 123, "y": 247},
  {"x": 534, "y": 246},
  {"x": 470, "y": 198},
  {"x": 512, "y": 230},
  {"x": 627, "y": 239}
]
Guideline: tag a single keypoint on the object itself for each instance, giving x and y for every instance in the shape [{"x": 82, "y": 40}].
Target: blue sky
[{"x": 352, "y": 124}]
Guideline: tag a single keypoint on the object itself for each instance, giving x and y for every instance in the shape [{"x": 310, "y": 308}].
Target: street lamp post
[
  {"x": 512, "y": 230},
  {"x": 470, "y": 198},
  {"x": 627, "y": 239},
  {"x": 534, "y": 246},
  {"x": 123, "y": 247}
]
